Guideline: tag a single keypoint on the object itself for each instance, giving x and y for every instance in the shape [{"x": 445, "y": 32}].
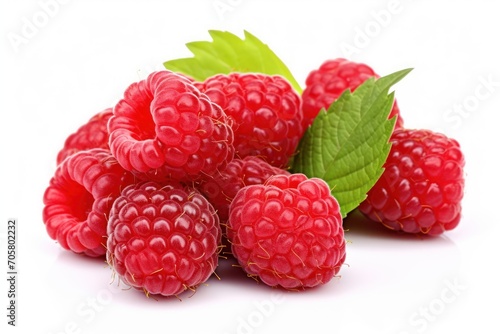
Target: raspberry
[
  {"x": 93, "y": 134},
  {"x": 326, "y": 84},
  {"x": 422, "y": 186},
  {"x": 164, "y": 128},
  {"x": 266, "y": 113},
  {"x": 239, "y": 173},
  {"x": 288, "y": 232},
  {"x": 163, "y": 238},
  {"x": 79, "y": 197}
]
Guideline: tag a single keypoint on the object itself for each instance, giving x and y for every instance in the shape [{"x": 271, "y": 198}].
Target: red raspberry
[
  {"x": 422, "y": 186},
  {"x": 164, "y": 128},
  {"x": 221, "y": 189},
  {"x": 163, "y": 238},
  {"x": 93, "y": 134},
  {"x": 79, "y": 197},
  {"x": 288, "y": 232},
  {"x": 266, "y": 113},
  {"x": 326, "y": 84}
]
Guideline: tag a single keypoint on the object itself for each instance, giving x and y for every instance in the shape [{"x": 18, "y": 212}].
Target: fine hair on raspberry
[
  {"x": 163, "y": 238},
  {"x": 239, "y": 173},
  {"x": 287, "y": 231},
  {"x": 165, "y": 128},
  {"x": 266, "y": 113},
  {"x": 422, "y": 186}
]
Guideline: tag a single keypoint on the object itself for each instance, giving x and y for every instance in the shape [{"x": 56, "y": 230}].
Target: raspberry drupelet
[
  {"x": 325, "y": 84},
  {"x": 266, "y": 114},
  {"x": 163, "y": 238},
  {"x": 93, "y": 134},
  {"x": 287, "y": 232},
  {"x": 422, "y": 186},
  {"x": 79, "y": 197},
  {"x": 165, "y": 128}
]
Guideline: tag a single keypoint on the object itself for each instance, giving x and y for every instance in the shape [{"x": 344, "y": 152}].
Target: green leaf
[
  {"x": 228, "y": 53},
  {"x": 348, "y": 144}
]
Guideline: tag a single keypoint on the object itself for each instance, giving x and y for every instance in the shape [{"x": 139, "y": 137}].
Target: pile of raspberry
[{"x": 179, "y": 174}]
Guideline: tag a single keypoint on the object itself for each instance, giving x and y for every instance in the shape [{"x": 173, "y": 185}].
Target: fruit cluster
[{"x": 179, "y": 171}]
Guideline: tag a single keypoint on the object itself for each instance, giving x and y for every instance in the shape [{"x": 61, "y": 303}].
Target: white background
[{"x": 80, "y": 57}]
